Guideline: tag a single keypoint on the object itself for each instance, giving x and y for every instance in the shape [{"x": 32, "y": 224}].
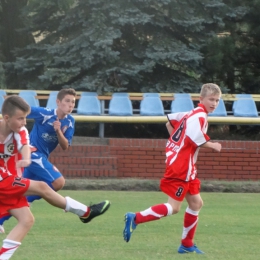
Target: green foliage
[
  {"x": 2, "y": 77},
  {"x": 232, "y": 59},
  {"x": 134, "y": 45}
]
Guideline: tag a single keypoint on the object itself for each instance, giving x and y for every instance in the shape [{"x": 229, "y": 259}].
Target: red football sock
[
  {"x": 153, "y": 213},
  {"x": 190, "y": 223}
]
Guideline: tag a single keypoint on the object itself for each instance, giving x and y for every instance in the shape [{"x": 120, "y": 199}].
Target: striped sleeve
[
  {"x": 22, "y": 138},
  {"x": 196, "y": 129},
  {"x": 175, "y": 118}
]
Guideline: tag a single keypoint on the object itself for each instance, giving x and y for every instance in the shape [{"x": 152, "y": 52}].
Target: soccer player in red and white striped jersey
[
  {"x": 14, "y": 188},
  {"x": 187, "y": 132}
]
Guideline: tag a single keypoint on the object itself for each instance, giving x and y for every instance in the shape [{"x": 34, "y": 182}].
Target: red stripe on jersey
[
  {"x": 24, "y": 137},
  {"x": 2, "y": 148},
  {"x": 183, "y": 144}
]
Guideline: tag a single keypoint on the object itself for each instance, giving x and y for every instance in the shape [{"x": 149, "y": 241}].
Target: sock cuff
[
  {"x": 192, "y": 212},
  {"x": 12, "y": 242},
  {"x": 169, "y": 208},
  {"x": 68, "y": 199}
]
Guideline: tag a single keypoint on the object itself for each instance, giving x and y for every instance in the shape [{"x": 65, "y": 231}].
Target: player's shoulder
[
  {"x": 176, "y": 116},
  {"x": 43, "y": 110},
  {"x": 71, "y": 118},
  {"x": 22, "y": 132},
  {"x": 196, "y": 115},
  {"x": 198, "y": 112}
]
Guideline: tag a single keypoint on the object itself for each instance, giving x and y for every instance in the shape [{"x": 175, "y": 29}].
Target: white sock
[
  {"x": 75, "y": 207},
  {"x": 8, "y": 248},
  {"x": 170, "y": 209}
]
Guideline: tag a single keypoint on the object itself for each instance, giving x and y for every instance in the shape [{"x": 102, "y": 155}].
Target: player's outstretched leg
[
  {"x": 130, "y": 226},
  {"x": 95, "y": 210},
  {"x": 193, "y": 249}
]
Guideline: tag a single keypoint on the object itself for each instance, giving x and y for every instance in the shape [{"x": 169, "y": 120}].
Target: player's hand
[
  {"x": 23, "y": 163},
  {"x": 57, "y": 124},
  {"x": 217, "y": 147}
]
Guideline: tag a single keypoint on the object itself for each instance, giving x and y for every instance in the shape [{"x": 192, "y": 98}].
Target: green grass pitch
[{"x": 229, "y": 228}]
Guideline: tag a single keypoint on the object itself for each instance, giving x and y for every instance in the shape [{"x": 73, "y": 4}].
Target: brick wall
[{"x": 144, "y": 158}]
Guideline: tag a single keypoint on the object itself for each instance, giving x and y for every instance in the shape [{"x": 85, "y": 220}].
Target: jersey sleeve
[
  {"x": 196, "y": 129},
  {"x": 175, "y": 118},
  {"x": 22, "y": 138},
  {"x": 37, "y": 113},
  {"x": 70, "y": 130}
]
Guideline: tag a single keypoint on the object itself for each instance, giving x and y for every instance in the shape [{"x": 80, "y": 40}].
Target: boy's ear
[{"x": 6, "y": 117}]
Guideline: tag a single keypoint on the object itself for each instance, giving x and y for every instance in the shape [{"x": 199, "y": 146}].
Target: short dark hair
[
  {"x": 12, "y": 103},
  {"x": 66, "y": 91}
]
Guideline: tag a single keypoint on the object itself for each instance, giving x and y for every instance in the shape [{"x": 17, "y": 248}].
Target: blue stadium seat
[
  {"x": 182, "y": 103},
  {"x": 51, "y": 102},
  {"x": 244, "y": 96},
  {"x": 151, "y": 95},
  {"x": 120, "y": 94},
  {"x": 240, "y": 96},
  {"x": 181, "y": 95},
  {"x": 151, "y": 105},
  {"x": 245, "y": 107},
  {"x": 120, "y": 105},
  {"x": 32, "y": 92},
  {"x": 2, "y": 99},
  {"x": 30, "y": 99},
  {"x": 29, "y": 96},
  {"x": 54, "y": 93},
  {"x": 89, "y": 94},
  {"x": 2, "y": 92},
  {"x": 220, "y": 110},
  {"x": 89, "y": 105}
]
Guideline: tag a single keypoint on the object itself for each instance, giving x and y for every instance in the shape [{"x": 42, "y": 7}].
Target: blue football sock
[{"x": 3, "y": 219}]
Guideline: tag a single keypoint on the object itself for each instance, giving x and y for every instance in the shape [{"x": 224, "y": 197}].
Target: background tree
[
  {"x": 99, "y": 45},
  {"x": 232, "y": 57}
]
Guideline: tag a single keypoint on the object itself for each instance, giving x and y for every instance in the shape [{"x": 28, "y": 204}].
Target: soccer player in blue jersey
[{"x": 52, "y": 127}]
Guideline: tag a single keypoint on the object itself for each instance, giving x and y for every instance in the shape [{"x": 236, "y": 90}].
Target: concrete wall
[{"x": 144, "y": 158}]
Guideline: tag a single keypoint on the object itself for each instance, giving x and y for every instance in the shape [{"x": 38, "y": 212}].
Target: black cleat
[{"x": 95, "y": 211}]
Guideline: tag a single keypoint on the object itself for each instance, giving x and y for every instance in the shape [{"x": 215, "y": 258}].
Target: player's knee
[
  {"x": 28, "y": 221},
  {"x": 58, "y": 184},
  {"x": 196, "y": 205},
  {"x": 199, "y": 204},
  {"x": 175, "y": 209},
  {"x": 43, "y": 187}
]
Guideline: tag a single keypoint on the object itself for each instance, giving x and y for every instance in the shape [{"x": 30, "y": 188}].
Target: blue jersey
[{"x": 43, "y": 136}]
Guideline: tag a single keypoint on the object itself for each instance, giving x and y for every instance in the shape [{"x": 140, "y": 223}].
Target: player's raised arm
[{"x": 63, "y": 141}]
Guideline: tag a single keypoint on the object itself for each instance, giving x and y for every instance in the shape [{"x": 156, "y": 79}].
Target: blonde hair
[{"x": 210, "y": 89}]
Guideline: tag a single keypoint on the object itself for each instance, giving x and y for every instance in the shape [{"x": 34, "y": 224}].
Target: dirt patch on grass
[{"x": 153, "y": 185}]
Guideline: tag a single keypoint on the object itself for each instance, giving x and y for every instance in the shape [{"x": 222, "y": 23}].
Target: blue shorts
[{"x": 41, "y": 169}]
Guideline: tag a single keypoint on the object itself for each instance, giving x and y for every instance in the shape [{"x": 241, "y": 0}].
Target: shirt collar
[
  {"x": 203, "y": 107},
  {"x": 55, "y": 113}
]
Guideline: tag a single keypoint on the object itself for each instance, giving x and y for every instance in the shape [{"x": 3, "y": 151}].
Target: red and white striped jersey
[
  {"x": 9, "y": 151},
  {"x": 183, "y": 144}
]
